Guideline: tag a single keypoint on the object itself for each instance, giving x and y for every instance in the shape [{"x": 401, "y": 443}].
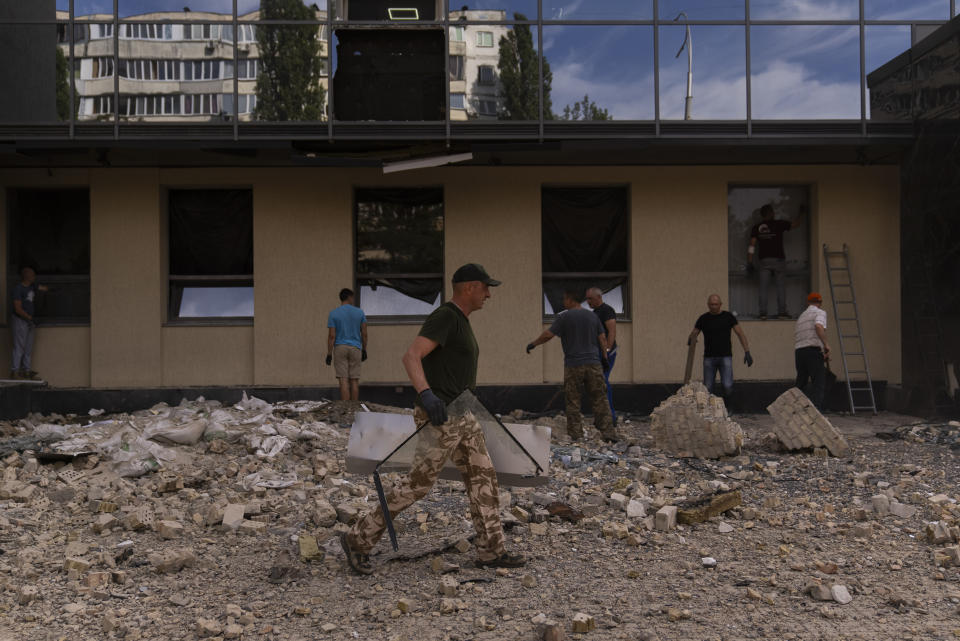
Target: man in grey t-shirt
[{"x": 583, "y": 339}]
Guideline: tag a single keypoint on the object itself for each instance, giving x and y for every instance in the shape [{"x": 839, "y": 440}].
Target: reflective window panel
[
  {"x": 93, "y": 71},
  {"x": 805, "y": 72},
  {"x": 719, "y": 73},
  {"x": 598, "y": 10},
  {"x": 93, "y": 9},
  {"x": 483, "y": 10},
  {"x": 703, "y": 9},
  {"x": 805, "y": 9},
  {"x": 181, "y": 79},
  {"x": 304, "y": 10},
  {"x": 883, "y": 43},
  {"x": 483, "y": 91},
  {"x": 176, "y": 9},
  {"x": 906, "y": 10},
  {"x": 600, "y": 72},
  {"x": 297, "y": 54},
  {"x": 381, "y": 300}
]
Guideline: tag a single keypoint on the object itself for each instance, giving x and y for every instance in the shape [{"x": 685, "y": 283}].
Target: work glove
[
  {"x": 329, "y": 359},
  {"x": 751, "y": 267},
  {"x": 747, "y": 358},
  {"x": 435, "y": 408},
  {"x": 530, "y": 347},
  {"x": 363, "y": 355}
]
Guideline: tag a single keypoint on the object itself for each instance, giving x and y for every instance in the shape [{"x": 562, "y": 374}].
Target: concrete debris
[
  {"x": 239, "y": 545},
  {"x": 694, "y": 423},
  {"x": 704, "y": 508},
  {"x": 799, "y": 425}
]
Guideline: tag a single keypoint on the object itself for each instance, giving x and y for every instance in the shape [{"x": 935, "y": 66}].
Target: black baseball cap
[{"x": 471, "y": 272}]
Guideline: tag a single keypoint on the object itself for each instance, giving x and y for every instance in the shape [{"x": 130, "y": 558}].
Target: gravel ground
[{"x": 804, "y": 519}]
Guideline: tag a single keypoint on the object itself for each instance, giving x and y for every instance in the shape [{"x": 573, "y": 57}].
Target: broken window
[
  {"x": 50, "y": 232},
  {"x": 585, "y": 241},
  {"x": 790, "y": 203},
  {"x": 211, "y": 253},
  {"x": 399, "y": 251}
]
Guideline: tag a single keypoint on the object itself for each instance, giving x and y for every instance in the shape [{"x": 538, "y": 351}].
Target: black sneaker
[
  {"x": 358, "y": 561},
  {"x": 505, "y": 560}
]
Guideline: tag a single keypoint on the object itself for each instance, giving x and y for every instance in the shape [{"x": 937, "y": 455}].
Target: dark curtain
[
  {"x": 583, "y": 230},
  {"x": 211, "y": 232},
  {"x": 400, "y": 231}
]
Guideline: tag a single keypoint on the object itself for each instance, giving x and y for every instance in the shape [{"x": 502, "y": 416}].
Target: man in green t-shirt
[{"x": 441, "y": 363}]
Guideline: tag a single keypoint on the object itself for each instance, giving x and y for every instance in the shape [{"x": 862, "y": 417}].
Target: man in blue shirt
[
  {"x": 347, "y": 344},
  {"x": 22, "y": 324}
]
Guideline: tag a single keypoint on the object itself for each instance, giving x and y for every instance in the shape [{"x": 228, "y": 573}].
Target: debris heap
[
  {"x": 693, "y": 422},
  {"x": 799, "y": 425}
]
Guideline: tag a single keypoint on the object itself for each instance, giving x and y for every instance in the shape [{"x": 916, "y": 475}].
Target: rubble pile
[
  {"x": 940, "y": 433},
  {"x": 799, "y": 425},
  {"x": 695, "y": 423},
  {"x": 113, "y": 529}
]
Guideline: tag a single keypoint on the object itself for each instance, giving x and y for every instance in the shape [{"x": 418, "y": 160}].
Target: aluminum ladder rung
[{"x": 842, "y": 264}]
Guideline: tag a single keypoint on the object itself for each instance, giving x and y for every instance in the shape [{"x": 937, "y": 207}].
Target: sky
[{"x": 797, "y": 71}]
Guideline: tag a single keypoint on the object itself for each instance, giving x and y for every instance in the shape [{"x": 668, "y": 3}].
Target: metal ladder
[{"x": 847, "y": 319}]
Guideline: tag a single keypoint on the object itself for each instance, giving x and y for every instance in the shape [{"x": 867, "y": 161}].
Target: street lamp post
[{"x": 688, "y": 43}]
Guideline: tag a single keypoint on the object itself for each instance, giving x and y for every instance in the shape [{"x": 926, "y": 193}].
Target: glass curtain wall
[{"x": 216, "y": 61}]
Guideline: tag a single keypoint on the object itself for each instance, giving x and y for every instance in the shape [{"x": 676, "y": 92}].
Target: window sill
[
  {"x": 209, "y": 322},
  {"x": 395, "y": 320},
  {"x": 47, "y": 324}
]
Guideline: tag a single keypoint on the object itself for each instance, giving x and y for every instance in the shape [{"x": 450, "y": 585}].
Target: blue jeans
[
  {"x": 710, "y": 366},
  {"x": 611, "y": 358},
  {"x": 22, "y": 343}
]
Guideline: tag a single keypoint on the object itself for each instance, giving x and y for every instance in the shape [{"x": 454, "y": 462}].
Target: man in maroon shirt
[{"x": 766, "y": 242}]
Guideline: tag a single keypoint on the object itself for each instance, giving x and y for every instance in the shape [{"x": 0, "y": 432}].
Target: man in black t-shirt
[
  {"x": 766, "y": 241},
  {"x": 608, "y": 318},
  {"x": 717, "y": 348},
  {"x": 441, "y": 363}
]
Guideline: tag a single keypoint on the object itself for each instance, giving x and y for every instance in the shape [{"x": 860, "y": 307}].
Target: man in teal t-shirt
[{"x": 347, "y": 344}]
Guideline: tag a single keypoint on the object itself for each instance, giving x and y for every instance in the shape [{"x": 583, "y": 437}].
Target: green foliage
[
  {"x": 63, "y": 87},
  {"x": 585, "y": 110},
  {"x": 518, "y": 70},
  {"x": 291, "y": 67}
]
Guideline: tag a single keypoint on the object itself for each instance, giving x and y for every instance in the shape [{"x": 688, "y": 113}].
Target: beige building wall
[{"x": 303, "y": 255}]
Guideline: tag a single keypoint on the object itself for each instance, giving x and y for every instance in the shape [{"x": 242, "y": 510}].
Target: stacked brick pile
[
  {"x": 693, "y": 422},
  {"x": 799, "y": 425}
]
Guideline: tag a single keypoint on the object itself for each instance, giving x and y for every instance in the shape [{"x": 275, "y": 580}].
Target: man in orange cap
[{"x": 811, "y": 349}]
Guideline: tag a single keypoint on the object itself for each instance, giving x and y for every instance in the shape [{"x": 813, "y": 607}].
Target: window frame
[
  {"x": 358, "y": 277},
  {"x": 486, "y": 82},
  {"x": 44, "y": 279},
  {"x": 176, "y": 283},
  {"x": 482, "y": 39},
  {"x": 623, "y": 316},
  {"x": 810, "y": 188}
]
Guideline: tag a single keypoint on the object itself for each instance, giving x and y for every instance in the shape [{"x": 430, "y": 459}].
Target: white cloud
[
  {"x": 624, "y": 98},
  {"x": 805, "y": 10},
  {"x": 790, "y": 90}
]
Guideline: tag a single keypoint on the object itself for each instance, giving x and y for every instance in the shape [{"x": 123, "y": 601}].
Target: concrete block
[
  {"x": 694, "y": 423},
  {"x": 666, "y": 518},
  {"x": 799, "y": 425}
]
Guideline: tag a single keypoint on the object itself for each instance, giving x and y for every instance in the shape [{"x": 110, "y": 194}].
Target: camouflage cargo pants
[
  {"x": 591, "y": 377},
  {"x": 460, "y": 439}
]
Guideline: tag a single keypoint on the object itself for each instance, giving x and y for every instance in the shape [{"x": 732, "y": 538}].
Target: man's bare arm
[
  {"x": 822, "y": 335},
  {"x": 412, "y": 361},
  {"x": 331, "y": 337},
  {"x": 742, "y": 337},
  {"x": 363, "y": 335},
  {"x": 693, "y": 336},
  {"x": 611, "y": 337}
]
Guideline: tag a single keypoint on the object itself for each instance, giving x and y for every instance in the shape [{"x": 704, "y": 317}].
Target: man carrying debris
[
  {"x": 608, "y": 317},
  {"x": 584, "y": 360},
  {"x": 347, "y": 344},
  {"x": 811, "y": 349},
  {"x": 22, "y": 324},
  {"x": 717, "y": 346},
  {"x": 441, "y": 363}
]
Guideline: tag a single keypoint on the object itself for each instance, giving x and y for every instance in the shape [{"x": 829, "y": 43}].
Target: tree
[
  {"x": 63, "y": 87},
  {"x": 585, "y": 110},
  {"x": 518, "y": 69},
  {"x": 291, "y": 67}
]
